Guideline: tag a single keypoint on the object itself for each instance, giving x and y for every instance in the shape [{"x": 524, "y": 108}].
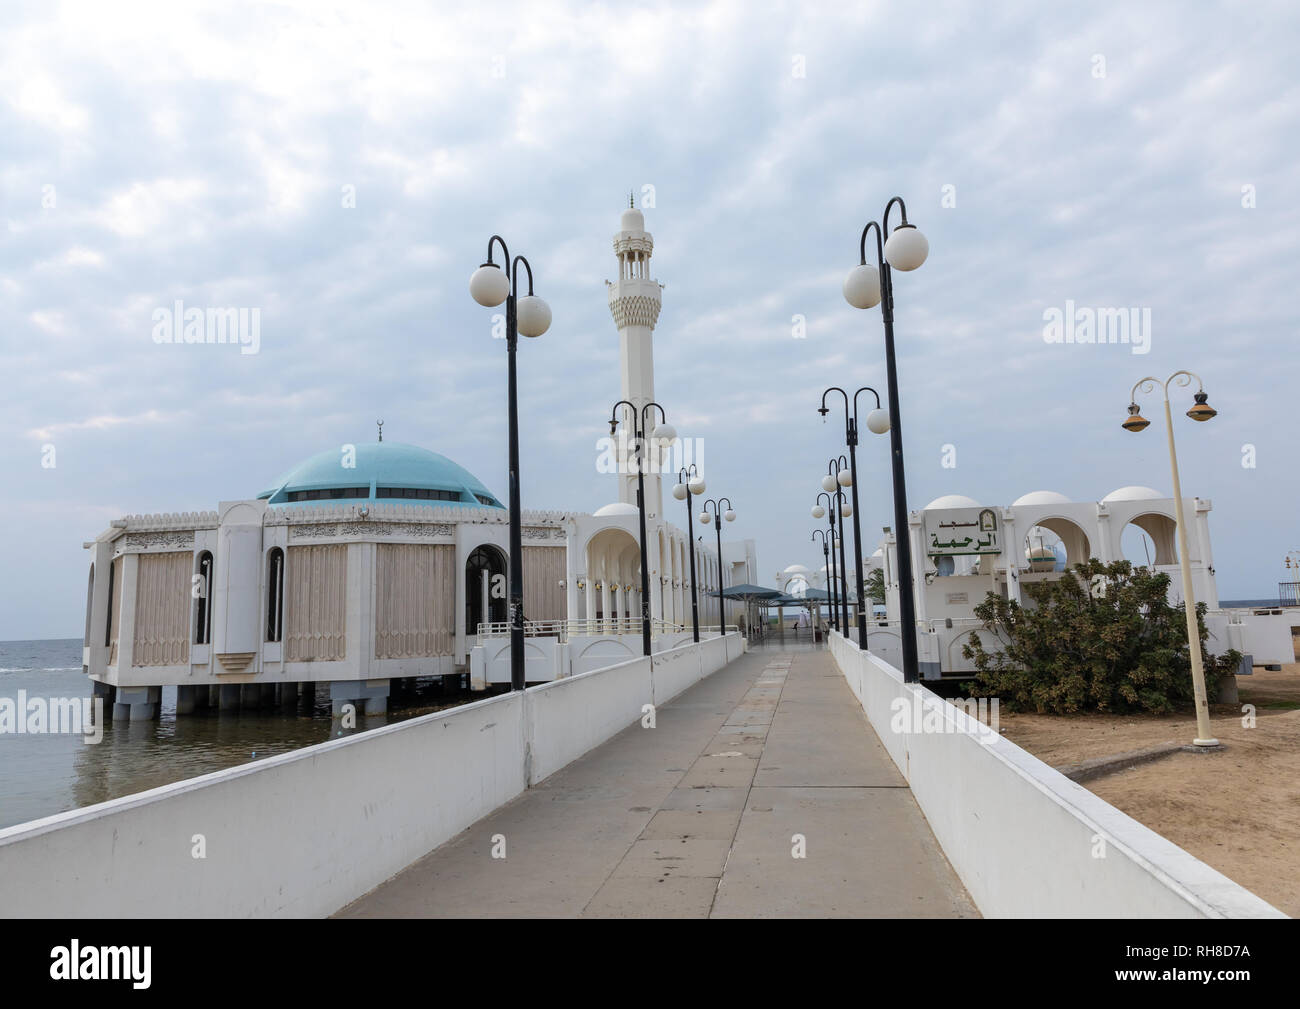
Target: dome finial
[
  {"x": 381, "y": 429},
  {"x": 631, "y": 203}
]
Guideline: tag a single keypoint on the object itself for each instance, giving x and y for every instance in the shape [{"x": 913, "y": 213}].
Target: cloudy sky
[{"x": 340, "y": 168}]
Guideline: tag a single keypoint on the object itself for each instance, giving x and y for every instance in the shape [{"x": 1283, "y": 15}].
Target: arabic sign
[{"x": 955, "y": 531}]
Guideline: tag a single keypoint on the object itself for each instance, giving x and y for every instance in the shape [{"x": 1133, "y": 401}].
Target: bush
[{"x": 1102, "y": 637}]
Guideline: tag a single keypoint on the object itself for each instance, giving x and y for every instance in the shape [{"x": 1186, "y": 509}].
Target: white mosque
[
  {"x": 962, "y": 550},
  {"x": 364, "y": 566}
]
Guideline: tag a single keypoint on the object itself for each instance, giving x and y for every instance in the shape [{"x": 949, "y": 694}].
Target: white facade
[
  {"x": 951, "y": 579},
  {"x": 333, "y": 576}
]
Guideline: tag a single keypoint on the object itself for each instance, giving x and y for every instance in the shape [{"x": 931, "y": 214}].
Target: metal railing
[
  {"x": 1288, "y": 593},
  {"x": 565, "y": 629}
]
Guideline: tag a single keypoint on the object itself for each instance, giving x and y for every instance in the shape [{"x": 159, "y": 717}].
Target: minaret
[{"x": 634, "y": 301}]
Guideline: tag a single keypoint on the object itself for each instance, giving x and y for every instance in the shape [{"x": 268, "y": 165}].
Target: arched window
[
  {"x": 203, "y": 604},
  {"x": 90, "y": 601},
  {"x": 485, "y": 574},
  {"x": 275, "y": 594},
  {"x": 108, "y": 622}
]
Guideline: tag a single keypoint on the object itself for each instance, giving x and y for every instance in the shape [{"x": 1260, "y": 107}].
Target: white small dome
[
  {"x": 1134, "y": 494},
  {"x": 617, "y": 508},
  {"x": 632, "y": 220},
  {"x": 879, "y": 553},
  {"x": 1041, "y": 497},
  {"x": 952, "y": 501},
  {"x": 796, "y": 569}
]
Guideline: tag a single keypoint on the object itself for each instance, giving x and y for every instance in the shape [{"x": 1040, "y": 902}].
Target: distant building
[{"x": 962, "y": 550}]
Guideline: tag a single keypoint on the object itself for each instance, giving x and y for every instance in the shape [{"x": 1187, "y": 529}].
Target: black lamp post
[
  {"x": 832, "y": 481},
  {"x": 817, "y": 512},
  {"x": 716, "y": 519},
  {"x": 689, "y": 482},
  {"x": 531, "y": 316},
  {"x": 826, "y": 559},
  {"x": 663, "y": 432},
  {"x": 877, "y": 423},
  {"x": 906, "y": 249}
]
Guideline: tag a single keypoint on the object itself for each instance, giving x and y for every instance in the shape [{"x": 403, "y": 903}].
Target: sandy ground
[{"x": 1238, "y": 810}]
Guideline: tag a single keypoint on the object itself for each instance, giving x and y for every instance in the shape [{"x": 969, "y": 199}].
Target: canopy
[{"x": 749, "y": 592}]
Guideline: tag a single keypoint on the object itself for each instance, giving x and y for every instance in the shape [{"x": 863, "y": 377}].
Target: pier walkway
[{"x": 703, "y": 816}]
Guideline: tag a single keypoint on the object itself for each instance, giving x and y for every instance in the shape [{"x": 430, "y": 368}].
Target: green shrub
[{"x": 1102, "y": 637}]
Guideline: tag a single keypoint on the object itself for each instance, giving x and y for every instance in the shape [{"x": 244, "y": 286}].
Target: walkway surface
[{"x": 761, "y": 792}]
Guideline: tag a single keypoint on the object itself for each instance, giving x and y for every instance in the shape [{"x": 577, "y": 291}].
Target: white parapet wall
[
  {"x": 1026, "y": 841},
  {"x": 304, "y": 833}
]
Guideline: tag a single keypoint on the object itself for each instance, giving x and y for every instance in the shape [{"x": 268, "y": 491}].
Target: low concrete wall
[
  {"x": 1024, "y": 839},
  {"x": 304, "y": 833},
  {"x": 571, "y": 716},
  {"x": 568, "y": 717}
]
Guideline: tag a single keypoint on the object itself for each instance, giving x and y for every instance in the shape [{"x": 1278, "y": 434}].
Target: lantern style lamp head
[
  {"x": 679, "y": 492},
  {"x": 1135, "y": 422},
  {"x": 532, "y": 316},
  {"x": 828, "y": 484},
  {"x": 878, "y": 421},
  {"x": 846, "y": 510},
  {"x": 907, "y": 248},
  {"x": 862, "y": 287},
  {"x": 665, "y": 434},
  {"x": 488, "y": 285},
  {"x": 1202, "y": 411},
  {"x": 818, "y": 512},
  {"x": 697, "y": 485},
  {"x": 846, "y": 478},
  {"x": 729, "y": 515},
  {"x": 706, "y": 518}
]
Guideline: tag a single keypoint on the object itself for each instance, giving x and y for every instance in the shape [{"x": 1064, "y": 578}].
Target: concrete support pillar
[
  {"x": 250, "y": 695},
  {"x": 360, "y": 693},
  {"x": 185, "y": 700},
  {"x": 289, "y": 695},
  {"x": 228, "y": 696},
  {"x": 137, "y": 703},
  {"x": 266, "y": 695},
  {"x": 107, "y": 693}
]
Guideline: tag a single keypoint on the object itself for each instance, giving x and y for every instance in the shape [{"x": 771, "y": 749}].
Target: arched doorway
[
  {"x": 1150, "y": 541},
  {"x": 1055, "y": 544},
  {"x": 485, "y": 588}
]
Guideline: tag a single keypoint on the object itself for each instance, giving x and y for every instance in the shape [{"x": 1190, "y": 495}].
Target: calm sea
[{"x": 45, "y": 774}]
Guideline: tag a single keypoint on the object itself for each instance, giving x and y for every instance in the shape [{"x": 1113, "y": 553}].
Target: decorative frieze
[
  {"x": 169, "y": 540},
  {"x": 634, "y": 310},
  {"x": 543, "y": 533},
  {"x": 371, "y": 530}
]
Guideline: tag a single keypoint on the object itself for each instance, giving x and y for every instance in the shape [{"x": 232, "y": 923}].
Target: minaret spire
[{"x": 634, "y": 301}]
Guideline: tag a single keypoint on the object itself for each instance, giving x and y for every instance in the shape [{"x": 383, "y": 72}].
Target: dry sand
[{"x": 1238, "y": 809}]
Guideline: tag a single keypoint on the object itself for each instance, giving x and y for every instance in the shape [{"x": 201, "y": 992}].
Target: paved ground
[{"x": 761, "y": 792}]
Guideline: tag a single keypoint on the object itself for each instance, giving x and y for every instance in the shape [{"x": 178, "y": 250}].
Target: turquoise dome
[{"x": 384, "y": 471}]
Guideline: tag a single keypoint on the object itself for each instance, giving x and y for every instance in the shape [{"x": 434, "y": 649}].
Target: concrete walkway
[{"x": 761, "y": 792}]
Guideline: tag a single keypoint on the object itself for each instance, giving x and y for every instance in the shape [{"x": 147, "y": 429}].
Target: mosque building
[{"x": 364, "y": 566}]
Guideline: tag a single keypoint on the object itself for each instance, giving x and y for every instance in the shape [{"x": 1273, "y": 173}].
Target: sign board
[{"x": 957, "y": 531}]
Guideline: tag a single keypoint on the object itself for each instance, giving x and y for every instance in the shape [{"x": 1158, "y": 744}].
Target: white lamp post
[{"x": 1201, "y": 411}]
